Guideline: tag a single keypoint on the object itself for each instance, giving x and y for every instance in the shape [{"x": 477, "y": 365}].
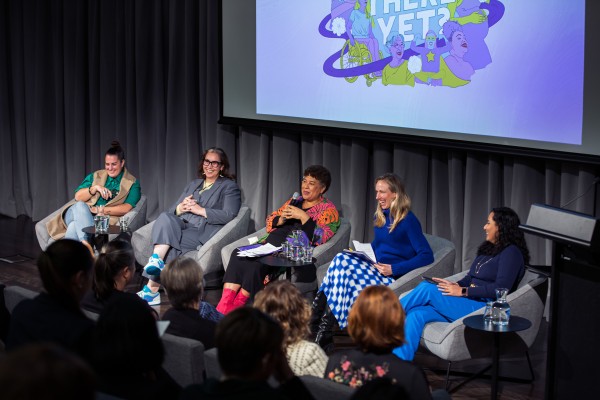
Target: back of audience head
[
  {"x": 65, "y": 270},
  {"x": 376, "y": 320},
  {"x": 380, "y": 389},
  {"x": 126, "y": 339},
  {"x": 284, "y": 302},
  {"x": 45, "y": 371},
  {"x": 114, "y": 268},
  {"x": 182, "y": 278},
  {"x": 249, "y": 343}
]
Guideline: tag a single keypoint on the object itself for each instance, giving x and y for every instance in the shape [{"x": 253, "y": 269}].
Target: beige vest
[{"x": 56, "y": 226}]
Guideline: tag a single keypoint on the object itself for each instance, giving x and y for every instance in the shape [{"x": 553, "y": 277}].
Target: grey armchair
[
  {"x": 323, "y": 253},
  {"x": 208, "y": 255},
  {"x": 452, "y": 341},
  {"x": 135, "y": 219},
  {"x": 184, "y": 359},
  {"x": 444, "y": 254}
]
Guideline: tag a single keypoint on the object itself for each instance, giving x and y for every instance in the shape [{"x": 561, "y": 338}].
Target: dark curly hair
[
  {"x": 320, "y": 173},
  {"x": 508, "y": 233}
]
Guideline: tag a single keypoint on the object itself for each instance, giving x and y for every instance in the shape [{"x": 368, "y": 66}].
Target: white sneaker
[
  {"x": 153, "y": 298},
  {"x": 155, "y": 265}
]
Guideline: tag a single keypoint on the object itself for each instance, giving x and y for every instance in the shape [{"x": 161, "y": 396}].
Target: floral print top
[
  {"x": 324, "y": 214},
  {"x": 355, "y": 367},
  {"x": 354, "y": 375}
]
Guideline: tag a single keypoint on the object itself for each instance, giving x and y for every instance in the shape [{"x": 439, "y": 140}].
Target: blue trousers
[
  {"x": 427, "y": 304},
  {"x": 77, "y": 217}
]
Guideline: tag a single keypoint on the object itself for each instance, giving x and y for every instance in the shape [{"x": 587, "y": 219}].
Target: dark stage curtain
[{"x": 75, "y": 74}]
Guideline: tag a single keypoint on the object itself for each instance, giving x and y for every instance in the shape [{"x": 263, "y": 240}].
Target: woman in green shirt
[{"x": 112, "y": 187}]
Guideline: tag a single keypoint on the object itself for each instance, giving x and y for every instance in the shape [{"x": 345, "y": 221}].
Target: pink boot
[
  {"x": 226, "y": 301},
  {"x": 240, "y": 301}
]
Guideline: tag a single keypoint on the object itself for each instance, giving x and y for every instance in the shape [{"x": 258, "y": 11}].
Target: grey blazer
[{"x": 222, "y": 206}]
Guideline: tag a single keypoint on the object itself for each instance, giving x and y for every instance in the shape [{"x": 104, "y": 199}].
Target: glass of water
[
  {"x": 101, "y": 224},
  {"x": 123, "y": 224},
  {"x": 308, "y": 254},
  {"x": 488, "y": 312}
]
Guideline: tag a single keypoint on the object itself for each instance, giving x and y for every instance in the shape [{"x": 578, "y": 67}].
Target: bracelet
[{"x": 90, "y": 190}]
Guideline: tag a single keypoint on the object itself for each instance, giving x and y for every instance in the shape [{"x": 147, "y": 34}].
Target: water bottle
[{"x": 501, "y": 308}]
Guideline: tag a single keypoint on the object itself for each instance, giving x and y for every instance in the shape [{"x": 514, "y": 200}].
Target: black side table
[
  {"x": 515, "y": 324},
  {"x": 100, "y": 239},
  {"x": 282, "y": 262}
]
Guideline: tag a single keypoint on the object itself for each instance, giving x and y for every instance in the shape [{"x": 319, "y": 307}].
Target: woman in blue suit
[{"x": 204, "y": 207}]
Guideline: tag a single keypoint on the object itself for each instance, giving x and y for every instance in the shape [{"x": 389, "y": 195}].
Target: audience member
[
  {"x": 380, "y": 389},
  {"x": 128, "y": 353},
  {"x": 111, "y": 191},
  {"x": 376, "y": 325},
  {"x": 54, "y": 315},
  {"x": 399, "y": 247},
  {"x": 313, "y": 214},
  {"x": 113, "y": 270},
  {"x": 45, "y": 371},
  {"x": 183, "y": 282},
  {"x": 203, "y": 208},
  {"x": 284, "y": 302},
  {"x": 500, "y": 263},
  {"x": 250, "y": 350}
]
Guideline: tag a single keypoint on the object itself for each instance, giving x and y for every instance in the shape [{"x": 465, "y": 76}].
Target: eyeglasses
[{"x": 213, "y": 164}]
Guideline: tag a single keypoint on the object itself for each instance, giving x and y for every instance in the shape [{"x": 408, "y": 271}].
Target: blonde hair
[
  {"x": 284, "y": 302},
  {"x": 376, "y": 320},
  {"x": 183, "y": 281},
  {"x": 400, "y": 205}
]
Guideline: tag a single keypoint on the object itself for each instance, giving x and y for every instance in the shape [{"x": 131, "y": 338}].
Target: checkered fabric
[{"x": 345, "y": 278}]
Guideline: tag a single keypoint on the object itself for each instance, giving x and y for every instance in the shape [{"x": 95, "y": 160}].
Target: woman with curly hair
[
  {"x": 312, "y": 213},
  {"x": 500, "y": 263},
  {"x": 376, "y": 325},
  {"x": 284, "y": 302}
]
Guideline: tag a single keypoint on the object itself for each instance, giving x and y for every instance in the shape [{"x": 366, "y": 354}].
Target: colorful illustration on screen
[{"x": 410, "y": 42}]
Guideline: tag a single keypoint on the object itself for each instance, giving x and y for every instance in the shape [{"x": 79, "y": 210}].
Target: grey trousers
[{"x": 182, "y": 236}]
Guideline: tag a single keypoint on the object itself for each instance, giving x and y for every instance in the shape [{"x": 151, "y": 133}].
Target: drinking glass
[
  {"x": 123, "y": 224},
  {"x": 487, "y": 312},
  {"x": 308, "y": 254},
  {"x": 285, "y": 249},
  {"x": 100, "y": 210},
  {"x": 101, "y": 224},
  {"x": 501, "y": 308}
]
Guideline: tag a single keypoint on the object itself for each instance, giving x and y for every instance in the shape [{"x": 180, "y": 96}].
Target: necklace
[
  {"x": 205, "y": 187},
  {"x": 481, "y": 264}
]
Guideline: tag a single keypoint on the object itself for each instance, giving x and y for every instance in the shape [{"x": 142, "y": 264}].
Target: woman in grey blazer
[{"x": 204, "y": 207}]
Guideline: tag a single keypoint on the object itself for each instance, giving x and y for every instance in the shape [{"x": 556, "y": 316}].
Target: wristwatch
[{"x": 463, "y": 292}]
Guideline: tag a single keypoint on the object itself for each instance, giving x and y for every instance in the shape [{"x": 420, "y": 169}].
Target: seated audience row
[{"x": 123, "y": 347}]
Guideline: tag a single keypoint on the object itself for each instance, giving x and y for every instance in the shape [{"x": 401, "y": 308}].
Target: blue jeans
[
  {"x": 77, "y": 217},
  {"x": 427, "y": 304}
]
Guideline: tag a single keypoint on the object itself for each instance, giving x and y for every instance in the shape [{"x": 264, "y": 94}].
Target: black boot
[
  {"x": 318, "y": 308},
  {"x": 324, "y": 334}
]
